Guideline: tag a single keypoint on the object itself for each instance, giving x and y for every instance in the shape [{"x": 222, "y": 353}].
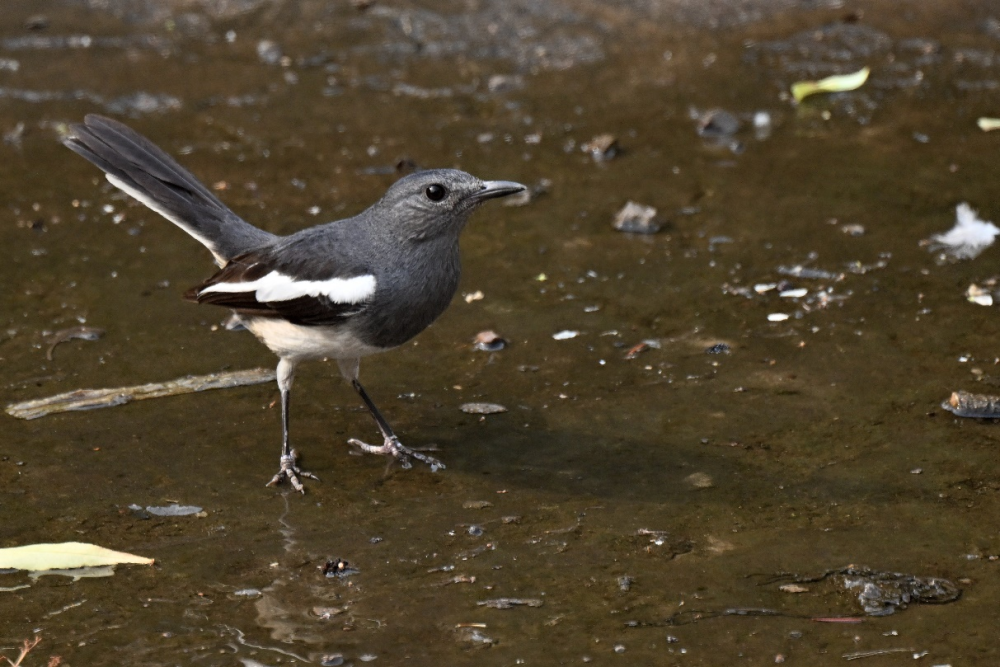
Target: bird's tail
[{"x": 135, "y": 165}]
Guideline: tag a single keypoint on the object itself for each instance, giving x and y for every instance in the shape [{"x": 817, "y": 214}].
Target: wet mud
[{"x": 753, "y": 389}]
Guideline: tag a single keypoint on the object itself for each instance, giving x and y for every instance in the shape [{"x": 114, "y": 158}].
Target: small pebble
[
  {"x": 488, "y": 341},
  {"x": 602, "y": 148},
  {"x": 718, "y": 123},
  {"x": 476, "y": 504},
  {"x": 700, "y": 480},
  {"x": 636, "y": 218}
]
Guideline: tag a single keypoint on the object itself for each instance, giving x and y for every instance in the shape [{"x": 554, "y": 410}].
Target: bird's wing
[{"x": 258, "y": 283}]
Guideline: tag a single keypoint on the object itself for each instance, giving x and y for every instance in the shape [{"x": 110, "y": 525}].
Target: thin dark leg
[
  {"x": 392, "y": 446},
  {"x": 383, "y": 425}
]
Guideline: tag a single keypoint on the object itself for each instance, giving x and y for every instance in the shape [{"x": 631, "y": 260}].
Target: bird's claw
[
  {"x": 394, "y": 448},
  {"x": 291, "y": 472}
]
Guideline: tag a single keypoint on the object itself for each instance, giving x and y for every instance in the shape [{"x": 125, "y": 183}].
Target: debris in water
[
  {"x": 489, "y": 341},
  {"x": 969, "y": 237},
  {"x": 602, "y": 148},
  {"x": 171, "y": 510},
  {"x": 338, "y": 568},
  {"x": 980, "y": 406},
  {"x": 482, "y": 408},
  {"x": 885, "y": 593},
  {"x": 777, "y": 317},
  {"x": 81, "y": 333},
  {"x": 718, "y": 348},
  {"x": 248, "y": 593},
  {"x": 762, "y": 125},
  {"x": 831, "y": 84},
  {"x": 988, "y": 124},
  {"x": 793, "y": 588},
  {"x": 504, "y": 83},
  {"x": 469, "y": 634},
  {"x": 718, "y": 124},
  {"x": 979, "y": 295},
  {"x": 91, "y": 399},
  {"x": 326, "y": 613},
  {"x": 566, "y": 334},
  {"x": 510, "y": 603},
  {"x": 637, "y": 219},
  {"x": 636, "y": 350},
  {"x": 853, "y": 229},
  {"x": 474, "y": 296},
  {"x": 269, "y": 52},
  {"x": 799, "y": 271},
  {"x": 857, "y": 655},
  {"x": 797, "y": 293}
]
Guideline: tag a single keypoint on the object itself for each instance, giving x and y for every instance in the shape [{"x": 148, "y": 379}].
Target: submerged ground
[{"x": 647, "y": 502}]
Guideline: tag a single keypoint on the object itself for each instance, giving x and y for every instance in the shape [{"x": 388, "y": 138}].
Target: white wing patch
[
  {"x": 151, "y": 204},
  {"x": 277, "y": 286}
]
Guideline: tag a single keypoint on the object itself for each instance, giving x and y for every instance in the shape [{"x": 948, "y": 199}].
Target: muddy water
[{"x": 812, "y": 443}]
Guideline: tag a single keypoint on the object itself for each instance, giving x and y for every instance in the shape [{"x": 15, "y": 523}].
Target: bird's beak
[{"x": 494, "y": 189}]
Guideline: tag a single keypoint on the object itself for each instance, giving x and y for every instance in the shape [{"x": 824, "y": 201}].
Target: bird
[{"x": 342, "y": 290}]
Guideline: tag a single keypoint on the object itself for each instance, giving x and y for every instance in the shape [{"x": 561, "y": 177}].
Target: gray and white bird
[{"x": 343, "y": 290}]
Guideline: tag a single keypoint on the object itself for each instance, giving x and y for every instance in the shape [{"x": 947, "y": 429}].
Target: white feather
[
  {"x": 153, "y": 205},
  {"x": 277, "y": 286},
  {"x": 969, "y": 237}
]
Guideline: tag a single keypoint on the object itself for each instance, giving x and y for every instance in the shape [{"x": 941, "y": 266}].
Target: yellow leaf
[
  {"x": 64, "y": 556},
  {"x": 988, "y": 124},
  {"x": 831, "y": 84}
]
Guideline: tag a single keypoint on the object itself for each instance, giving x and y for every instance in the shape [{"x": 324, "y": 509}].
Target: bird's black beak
[{"x": 494, "y": 189}]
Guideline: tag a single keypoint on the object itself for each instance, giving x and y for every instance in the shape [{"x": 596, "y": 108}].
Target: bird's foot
[
  {"x": 291, "y": 472},
  {"x": 394, "y": 448}
]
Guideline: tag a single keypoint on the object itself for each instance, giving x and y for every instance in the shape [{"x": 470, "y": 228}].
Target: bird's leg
[
  {"x": 391, "y": 445},
  {"x": 288, "y": 469}
]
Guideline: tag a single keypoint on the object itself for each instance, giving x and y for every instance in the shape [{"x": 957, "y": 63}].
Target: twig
[
  {"x": 90, "y": 399},
  {"x": 25, "y": 650},
  {"x": 871, "y": 654}
]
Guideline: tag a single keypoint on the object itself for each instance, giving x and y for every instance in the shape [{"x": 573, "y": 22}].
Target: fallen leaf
[
  {"x": 988, "y": 124},
  {"x": 64, "y": 556},
  {"x": 831, "y": 84}
]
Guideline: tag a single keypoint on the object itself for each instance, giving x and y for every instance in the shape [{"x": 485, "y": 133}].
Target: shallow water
[{"x": 798, "y": 450}]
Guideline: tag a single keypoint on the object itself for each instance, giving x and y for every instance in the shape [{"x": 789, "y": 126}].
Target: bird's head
[{"x": 428, "y": 204}]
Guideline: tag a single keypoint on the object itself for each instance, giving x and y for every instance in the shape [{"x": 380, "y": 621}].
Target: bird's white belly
[{"x": 296, "y": 342}]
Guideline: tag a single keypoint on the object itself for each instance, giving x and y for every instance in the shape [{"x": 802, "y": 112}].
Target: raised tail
[{"x": 135, "y": 165}]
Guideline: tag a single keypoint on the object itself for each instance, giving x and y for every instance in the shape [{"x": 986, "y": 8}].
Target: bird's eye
[{"x": 435, "y": 192}]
